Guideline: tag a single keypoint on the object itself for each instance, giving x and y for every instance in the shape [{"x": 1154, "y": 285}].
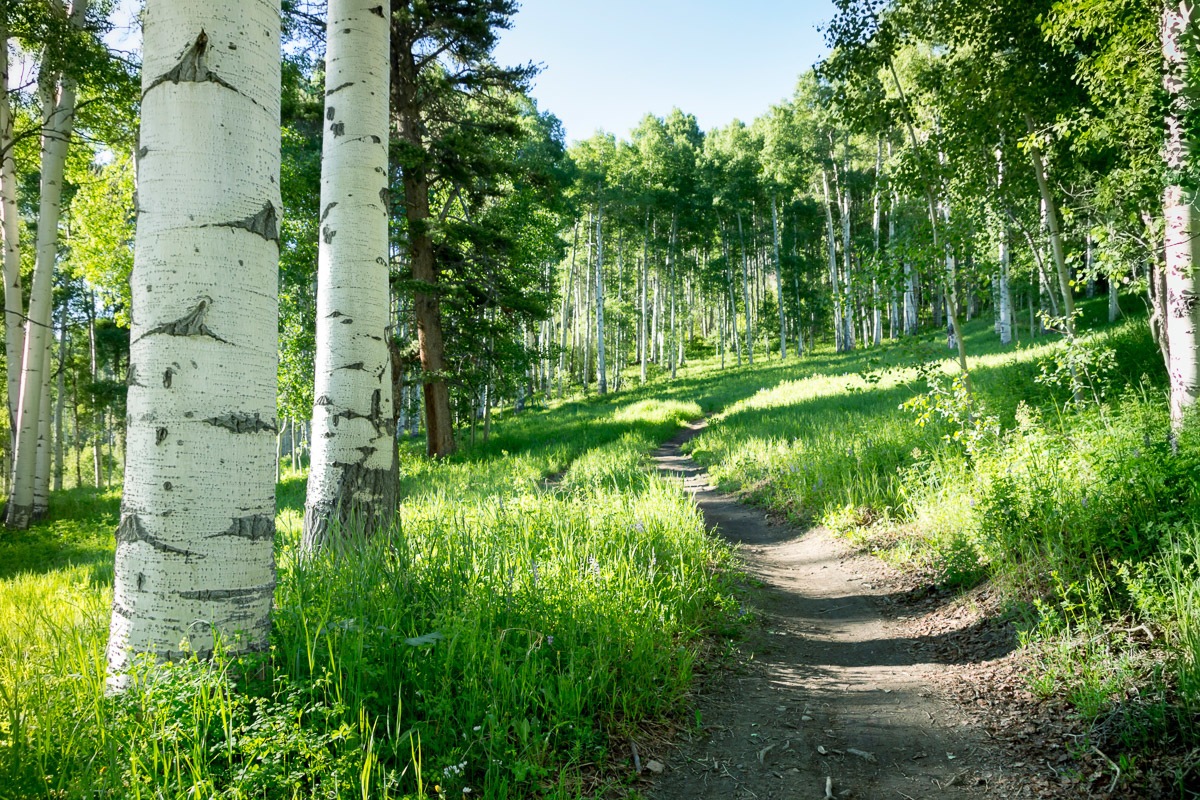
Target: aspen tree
[
  {"x": 194, "y": 561},
  {"x": 1180, "y": 211},
  {"x": 352, "y": 480},
  {"x": 58, "y": 119}
]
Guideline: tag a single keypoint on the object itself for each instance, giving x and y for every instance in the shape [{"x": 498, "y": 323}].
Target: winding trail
[{"x": 836, "y": 693}]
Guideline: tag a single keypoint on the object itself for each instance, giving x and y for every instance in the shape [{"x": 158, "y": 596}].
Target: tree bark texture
[
  {"x": 352, "y": 480},
  {"x": 194, "y": 561},
  {"x": 1182, "y": 217}
]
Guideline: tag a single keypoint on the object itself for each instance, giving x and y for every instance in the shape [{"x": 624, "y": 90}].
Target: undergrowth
[
  {"x": 1084, "y": 511},
  {"x": 539, "y": 598}
]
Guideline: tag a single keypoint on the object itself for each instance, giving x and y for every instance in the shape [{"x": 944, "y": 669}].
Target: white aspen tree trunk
[
  {"x": 58, "y": 108},
  {"x": 1089, "y": 262},
  {"x": 45, "y": 442},
  {"x": 566, "y": 307},
  {"x": 601, "y": 378},
  {"x": 14, "y": 310},
  {"x": 1050, "y": 211},
  {"x": 1180, "y": 210},
  {"x": 60, "y": 403},
  {"x": 672, "y": 290},
  {"x": 1004, "y": 300},
  {"x": 97, "y": 422},
  {"x": 194, "y": 561},
  {"x": 834, "y": 282},
  {"x": 778, "y": 277},
  {"x": 352, "y": 481},
  {"x": 746, "y": 292},
  {"x": 588, "y": 298},
  {"x": 732, "y": 298},
  {"x": 846, "y": 290},
  {"x": 643, "y": 344},
  {"x": 1114, "y": 306}
]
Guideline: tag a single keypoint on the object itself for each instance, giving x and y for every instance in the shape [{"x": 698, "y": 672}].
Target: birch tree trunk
[
  {"x": 45, "y": 442},
  {"x": 60, "y": 403},
  {"x": 643, "y": 344},
  {"x": 14, "y": 310},
  {"x": 566, "y": 306},
  {"x": 352, "y": 481},
  {"x": 778, "y": 278},
  {"x": 746, "y": 292},
  {"x": 1180, "y": 210},
  {"x": 834, "y": 283},
  {"x": 601, "y": 379},
  {"x": 58, "y": 108},
  {"x": 194, "y": 561},
  {"x": 1050, "y": 209}
]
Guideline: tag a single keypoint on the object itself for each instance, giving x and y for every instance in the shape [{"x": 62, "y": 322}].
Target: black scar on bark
[
  {"x": 323, "y": 400},
  {"x": 328, "y": 208},
  {"x": 190, "y": 324},
  {"x": 243, "y": 422},
  {"x": 335, "y": 315},
  {"x": 330, "y": 113},
  {"x": 168, "y": 375},
  {"x": 131, "y": 530},
  {"x": 345, "y": 85},
  {"x": 354, "y": 480},
  {"x": 160, "y": 435},
  {"x": 192, "y": 68},
  {"x": 327, "y": 233},
  {"x": 347, "y": 321},
  {"x": 255, "y": 528},
  {"x": 250, "y": 595},
  {"x": 265, "y": 223},
  {"x": 356, "y": 365},
  {"x": 338, "y": 129},
  {"x": 385, "y": 197},
  {"x": 132, "y": 378},
  {"x": 377, "y": 11}
]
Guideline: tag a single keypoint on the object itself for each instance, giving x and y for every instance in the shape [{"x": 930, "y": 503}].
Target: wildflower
[
  {"x": 549, "y": 640},
  {"x": 477, "y": 728}
]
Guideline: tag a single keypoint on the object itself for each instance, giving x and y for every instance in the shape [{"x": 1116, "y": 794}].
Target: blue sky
[{"x": 606, "y": 63}]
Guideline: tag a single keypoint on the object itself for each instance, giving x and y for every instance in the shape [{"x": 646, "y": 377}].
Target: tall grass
[
  {"x": 539, "y": 599},
  {"x": 1085, "y": 515}
]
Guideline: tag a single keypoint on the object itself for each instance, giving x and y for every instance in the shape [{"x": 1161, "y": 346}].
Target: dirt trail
[{"x": 836, "y": 691}]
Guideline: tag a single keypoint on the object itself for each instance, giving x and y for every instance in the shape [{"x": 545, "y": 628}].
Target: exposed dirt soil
[{"x": 863, "y": 683}]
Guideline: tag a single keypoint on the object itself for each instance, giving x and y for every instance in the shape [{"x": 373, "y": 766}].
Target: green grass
[
  {"x": 543, "y": 595},
  {"x": 1085, "y": 516},
  {"x": 499, "y": 639}
]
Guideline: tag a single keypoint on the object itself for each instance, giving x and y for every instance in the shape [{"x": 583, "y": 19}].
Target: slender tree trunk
[
  {"x": 1180, "y": 290},
  {"x": 778, "y": 278},
  {"x": 58, "y": 108},
  {"x": 746, "y": 292},
  {"x": 45, "y": 442},
  {"x": 1050, "y": 205},
  {"x": 601, "y": 379},
  {"x": 566, "y": 306},
  {"x": 14, "y": 310},
  {"x": 60, "y": 403},
  {"x": 194, "y": 558},
  {"x": 352, "y": 481},
  {"x": 643, "y": 344},
  {"x": 427, "y": 304},
  {"x": 834, "y": 281}
]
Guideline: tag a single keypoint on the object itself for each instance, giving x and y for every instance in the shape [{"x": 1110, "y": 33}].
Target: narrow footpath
[{"x": 837, "y": 700}]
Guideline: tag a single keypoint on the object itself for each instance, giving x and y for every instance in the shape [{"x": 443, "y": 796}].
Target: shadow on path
[{"x": 835, "y": 694}]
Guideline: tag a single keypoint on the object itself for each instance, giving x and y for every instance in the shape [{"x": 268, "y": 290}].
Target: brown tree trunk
[{"x": 426, "y": 301}]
